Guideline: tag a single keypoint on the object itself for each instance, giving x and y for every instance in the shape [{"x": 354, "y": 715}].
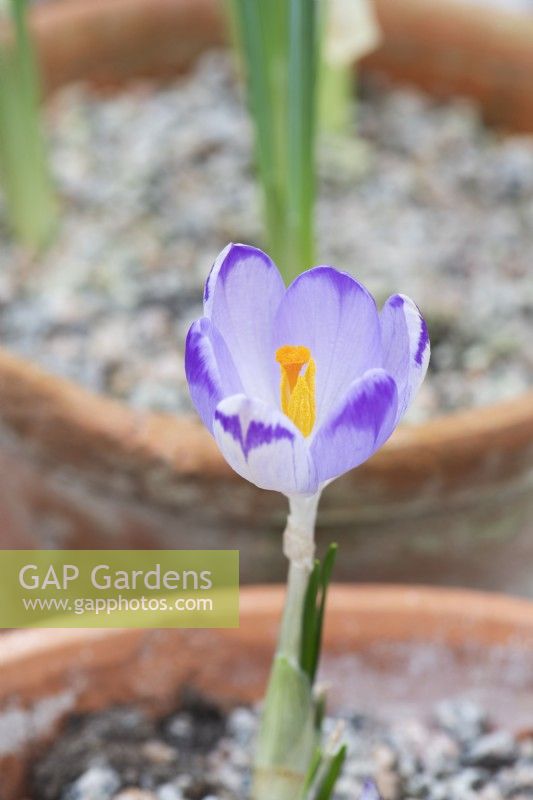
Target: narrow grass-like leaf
[
  {"x": 320, "y": 709},
  {"x": 325, "y": 579},
  {"x": 23, "y": 168},
  {"x": 313, "y": 613},
  {"x": 327, "y": 785},
  {"x": 280, "y": 47},
  {"x": 301, "y": 123},
  {"x": 261, "y": 29},
  {"x": 313, "y": 769},
  {"x": 309, "y": 622}
]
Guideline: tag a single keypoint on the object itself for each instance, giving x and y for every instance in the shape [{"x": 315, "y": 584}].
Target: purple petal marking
[
  {"x": 396, "y": 301},
  {"x": 405, "y": 347},
  {"x": 198, "y": 370},
  {"x": 422, "y": 342},
  {"x": 258, "y": 433},
  {"x": 356, "y": 426},
  {"x": 369, "y": 407},
  {"x": 209, "y": 369},
  {"x": 263, "y": 446},
  {"x": 213, "y": 272}
]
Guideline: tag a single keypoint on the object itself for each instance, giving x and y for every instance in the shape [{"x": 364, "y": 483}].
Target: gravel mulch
[
  {"x": 154, "y": 182},
  {"x": 199, "y": 754}
]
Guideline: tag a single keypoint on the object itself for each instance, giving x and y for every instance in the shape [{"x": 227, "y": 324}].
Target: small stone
[
  {"x": 526, "y": 745},
  {"x": 385, "y": 758},
  {"x": 169, "y": 791},
  {"x": 97, "y": 783},
  {"x": 468, "y": 779},
  {"x": 230, "y": 777},
  {"x": 132, "y": 793},
  {"x": 462, "y": 719},
  {"x": 440, "y": 754},
  {"x": 439, "y": 790},
  {"x": 516, "y": 779},
  {"x": 490, "y": 792},
  {"x": 154, "y": 395},
  {"x": 180, "y": 726},
  {"x": 158, "y": 752},
  {"x": 418, "y": 785},
  {"x": 492, "y": 751},
  {"x": 389, "y": 785},
  {"x": 242, "y": 723}
]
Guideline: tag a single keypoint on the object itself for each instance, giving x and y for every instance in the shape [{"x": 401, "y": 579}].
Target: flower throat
[{"x": 297, "y": 387}]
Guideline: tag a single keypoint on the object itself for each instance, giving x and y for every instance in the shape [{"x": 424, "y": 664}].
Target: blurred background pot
[
  {"x": 443, "y": 644},
  {"x": 443, "y": 500}
]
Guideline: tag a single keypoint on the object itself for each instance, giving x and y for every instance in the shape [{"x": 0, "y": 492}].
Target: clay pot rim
[
  {"x": 182, "y": 440},
  {"x": 186, "y": 443},
  {"x": 489, "y": 618}
]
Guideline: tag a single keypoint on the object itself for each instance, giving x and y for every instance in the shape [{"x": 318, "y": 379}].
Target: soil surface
[
  {"x": 198, "y": 753},
  {"x": 154, "y": 182}
]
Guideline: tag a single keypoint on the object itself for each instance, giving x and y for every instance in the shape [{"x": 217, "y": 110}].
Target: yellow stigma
[{"x": 298, "y": 399}]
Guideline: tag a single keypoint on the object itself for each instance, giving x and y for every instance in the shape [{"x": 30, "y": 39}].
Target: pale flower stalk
[{"x": 288, "y": 739}]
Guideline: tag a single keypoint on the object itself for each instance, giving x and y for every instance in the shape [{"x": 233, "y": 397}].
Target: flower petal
[
  {"x": 406, "y": 347},
  {"x": 357, "y": 425},
  {"x": 241, "y": 297},
  {"x": 209, "y": 369},
  {"x": 263, "y": 446},
  {"x": 336, "y": 318},
  {"x": 209, "y": 288}
]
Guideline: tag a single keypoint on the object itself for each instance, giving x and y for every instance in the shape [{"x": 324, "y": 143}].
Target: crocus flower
[{"x": 301, "y": 384}]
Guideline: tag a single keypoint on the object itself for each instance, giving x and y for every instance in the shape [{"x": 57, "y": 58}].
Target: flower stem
[
  {"x": 291, "y": 625},
  {"x": 287, "y": 737}
]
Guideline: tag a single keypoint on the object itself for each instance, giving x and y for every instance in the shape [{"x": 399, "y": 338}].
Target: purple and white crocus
[{"x": 301, "y": 384}]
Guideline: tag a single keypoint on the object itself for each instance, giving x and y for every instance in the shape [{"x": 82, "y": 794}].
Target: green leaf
[
  {"x": 327, "y": 785},
  {"x": 313, "y": 613},
  {"x": 313, "y": 769},
  {"x": 325, "y": 579},
  {"x": 280, "y": 51},
  {"x": 320, "y": 709},
  {"x": 23, "y": 166},
  {"x": 309, "y": 622},
  {"x": 301, "y": 123}
]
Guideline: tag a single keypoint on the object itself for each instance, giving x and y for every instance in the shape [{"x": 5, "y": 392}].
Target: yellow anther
[{"x": 298, "y": 397}]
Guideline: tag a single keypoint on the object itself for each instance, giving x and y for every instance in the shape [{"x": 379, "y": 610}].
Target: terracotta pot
[
  {"x": 441, "y": 500},
  {"x": 448, "y": 47},
  {"x": 388, "y": 651},
  {"x": 453, "y": 47}
]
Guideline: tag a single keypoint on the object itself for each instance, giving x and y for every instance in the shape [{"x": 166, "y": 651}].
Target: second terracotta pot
[{"x": 390, "y": 652}]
